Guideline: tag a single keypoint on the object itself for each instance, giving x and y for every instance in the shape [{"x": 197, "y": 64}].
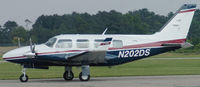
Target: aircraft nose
[
  {"x": 15, "y": 54},
  {"x": 19, "y": 53},
  {"x": 6, "y": 55}
]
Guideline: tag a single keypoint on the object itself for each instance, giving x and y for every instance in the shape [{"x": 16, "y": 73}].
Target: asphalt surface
[{"x": 133, "y": 81}]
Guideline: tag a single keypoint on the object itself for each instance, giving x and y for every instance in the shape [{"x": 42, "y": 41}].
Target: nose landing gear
[{"x": 23, "y": 77}]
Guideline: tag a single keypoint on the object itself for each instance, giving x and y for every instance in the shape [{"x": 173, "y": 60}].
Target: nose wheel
[{"x": 23, "y": 77}]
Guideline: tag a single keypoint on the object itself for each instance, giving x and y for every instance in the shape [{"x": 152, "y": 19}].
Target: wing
[
  {"x": 74, "y": 57},
  {"x": 93, "y": 56}
]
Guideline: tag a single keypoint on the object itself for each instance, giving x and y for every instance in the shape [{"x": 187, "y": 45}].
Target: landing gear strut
[
  {"x": 85, "y": 74},
  {"x": 68, "y": 75},
  {"x": 23, "y": 77}
]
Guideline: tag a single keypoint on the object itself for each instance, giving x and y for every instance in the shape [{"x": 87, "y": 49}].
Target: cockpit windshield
[{"x": 50, "y": 42}]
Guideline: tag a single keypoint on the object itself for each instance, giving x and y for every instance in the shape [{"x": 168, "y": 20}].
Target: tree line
[{"x": 140, "y": 21}]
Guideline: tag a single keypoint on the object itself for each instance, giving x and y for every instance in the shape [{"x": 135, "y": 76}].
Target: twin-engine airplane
[{"x": 102, "y": 50}]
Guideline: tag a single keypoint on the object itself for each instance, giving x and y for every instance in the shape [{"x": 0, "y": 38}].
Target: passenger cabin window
[
  {"x": 64, "y": 43},
  {"x": 82, "y": 43},
  {"x": 97, "y": 42},
  {"x": 117, "y": 44}
]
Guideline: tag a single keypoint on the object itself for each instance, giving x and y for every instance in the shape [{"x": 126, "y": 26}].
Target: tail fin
[{"x": 178, "y": 26}]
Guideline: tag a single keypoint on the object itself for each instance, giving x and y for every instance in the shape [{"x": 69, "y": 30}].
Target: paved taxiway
[{"x": 132, "y": 81}]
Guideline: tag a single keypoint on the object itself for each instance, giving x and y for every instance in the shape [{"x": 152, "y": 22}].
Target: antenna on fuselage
[
  {"x": 105, "y": 31},
  {"x": 108, "y": 26}
]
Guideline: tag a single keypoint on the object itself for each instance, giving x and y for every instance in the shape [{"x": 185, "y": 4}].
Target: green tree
[
  {"x": 10, "y": 25},
  {"x": 21, "y": 33}
]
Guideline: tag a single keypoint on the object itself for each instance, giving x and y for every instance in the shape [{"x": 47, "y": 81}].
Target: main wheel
[
  {"x": 69, "y": 76},
  {"x": 84, "y": 78},
  {"x": 23, "y": 78}
]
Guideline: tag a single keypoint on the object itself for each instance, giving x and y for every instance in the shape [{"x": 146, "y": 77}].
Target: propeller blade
[
  {"x": 31, "y": 47},
  {"x": 33, "y": 50},
  {"x": 19, "y": 44}
]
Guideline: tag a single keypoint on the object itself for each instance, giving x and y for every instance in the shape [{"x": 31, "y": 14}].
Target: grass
[
  {"x": 177, "y": 55},
  {"x": 137, "y": 68},
  {"x": 1, "y": 57},
  {"x": 5, "y": 49}
]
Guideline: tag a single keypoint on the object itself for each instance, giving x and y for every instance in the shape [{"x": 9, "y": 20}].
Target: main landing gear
[
  {"x": 68, "y": 74},
  {"x": 83, "y": 76}
]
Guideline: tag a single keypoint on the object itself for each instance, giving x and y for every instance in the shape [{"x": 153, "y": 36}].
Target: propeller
[
  {"x": 30, "y": 41},
  {"x": 32, "y": 53},
  {"x": 32, "y": 47},
  {"x": 19, "y": 44}
]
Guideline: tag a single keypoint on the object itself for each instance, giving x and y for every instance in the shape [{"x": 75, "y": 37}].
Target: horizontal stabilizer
[
  {"x": 172, "y": 44},
  {"x": 184, "y": 45}
]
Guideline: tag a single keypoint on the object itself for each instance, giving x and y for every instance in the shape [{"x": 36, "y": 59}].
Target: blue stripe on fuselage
[{"x": 114, "y": 57}]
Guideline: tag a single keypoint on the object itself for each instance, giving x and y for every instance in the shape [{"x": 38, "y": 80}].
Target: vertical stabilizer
[{"x": 178, "y": 26}]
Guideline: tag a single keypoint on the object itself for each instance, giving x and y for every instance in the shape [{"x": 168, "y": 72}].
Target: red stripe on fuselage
[
  {"x": 153, "y": 44},
  {"x": 59, "y": 52},
  {"x": 105, "y": 43},
  {"x": 191, "y": 10},
  {"x": 17, "y": 57},
  {"x": 14, "y": 57}
]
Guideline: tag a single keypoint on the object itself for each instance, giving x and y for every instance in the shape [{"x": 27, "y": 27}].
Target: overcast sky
[{"x": 19, "y": 10}]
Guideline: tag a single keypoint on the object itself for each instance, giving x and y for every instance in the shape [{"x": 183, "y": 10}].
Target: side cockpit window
[
  {"x": 64, "y": 43},
  {"x": 51, "y": 42},
  {"x": 82, "y": 43},
  {"x": 117, "y": 44}
]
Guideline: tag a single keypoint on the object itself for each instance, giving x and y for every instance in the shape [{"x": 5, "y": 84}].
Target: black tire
[
  {"x": 65, "y": 76},
  {"x": 23, "y": 79},
  {"x": 84, "y": 79}
]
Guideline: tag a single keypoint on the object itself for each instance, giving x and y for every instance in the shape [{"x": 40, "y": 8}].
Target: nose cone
[
  {"x": 20, "y": 52},
  {"x": 16, "y": 53}
]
